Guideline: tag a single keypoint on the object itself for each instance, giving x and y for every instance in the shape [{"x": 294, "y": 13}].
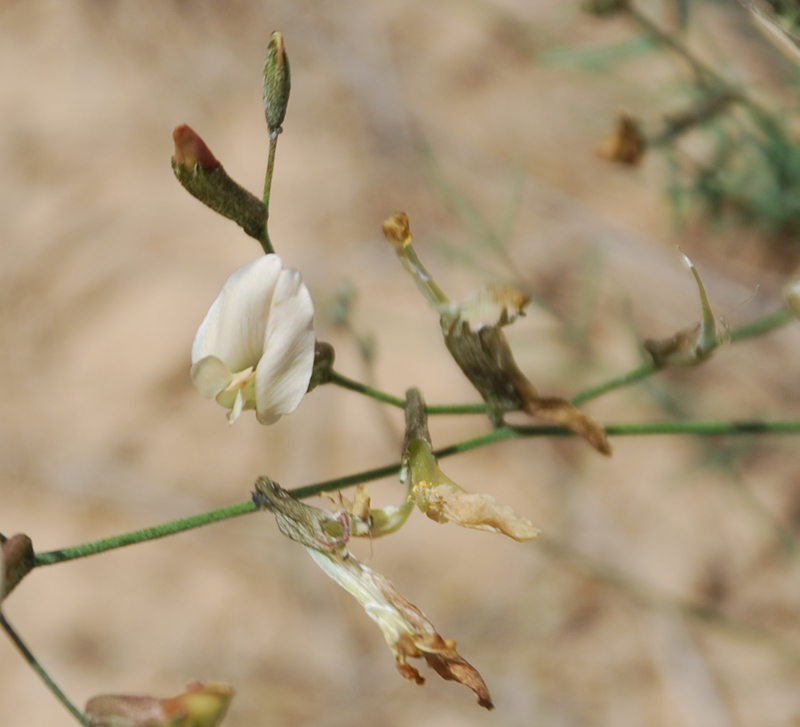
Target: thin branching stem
[
  {"x": 700, "y": 428},
  {"x": 345, "y": 383},
  {"x": 27, "y": 654},
  {"x": 705, "y": 74},
  {"x": 141, "y": 536},
  {"x": 750, "y": 330}
]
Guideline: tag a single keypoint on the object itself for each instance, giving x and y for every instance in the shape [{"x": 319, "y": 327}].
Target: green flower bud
[{"x": 277, "y": 82}]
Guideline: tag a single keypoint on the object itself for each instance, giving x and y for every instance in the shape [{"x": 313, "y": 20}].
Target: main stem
[
  {"x": 27, "y": 654},
  {"x": 704, "y": 428}
]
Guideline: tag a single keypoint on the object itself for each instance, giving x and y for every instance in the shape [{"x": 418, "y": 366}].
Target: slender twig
[
  {"x": 700, "y": 69},
  {"x": 758, "y": 327},
  {"x": 345, "y": 383},
  {"x": 273, "y": 145},
  {"x": 762, "y": 325},
  {"x": 704, "y": 428},
  {"x": 637, "y": 374},
  {"x": 144, "y": 535},
  {"x": 27, "y": 654}
]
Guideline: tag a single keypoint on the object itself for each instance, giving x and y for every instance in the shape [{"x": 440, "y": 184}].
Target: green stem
[
  {"x": 707, "y": 428},
  {"x": 762, "y": 325},
  {"x": 39, "y": 669},
  {"x": 273, "y": 145},
  {"x": 144, "y": 535},
  {"x": 698, "y": 428},
  {"x": 750, "y": 330},
  {"x": 645, "y": 370},
  {"x": 373, "y": 393}
]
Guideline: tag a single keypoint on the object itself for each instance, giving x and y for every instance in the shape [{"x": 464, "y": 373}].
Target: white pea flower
[{"x": 255, "y": 347}]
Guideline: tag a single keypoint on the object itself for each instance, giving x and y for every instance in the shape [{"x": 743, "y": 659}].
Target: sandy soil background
[{"x": 107, "y": 267}]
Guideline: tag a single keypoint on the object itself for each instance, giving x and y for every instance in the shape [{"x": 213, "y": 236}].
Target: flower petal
[
  {"x": 235, "y": 325},
  {"x": 210, "y": 376},
  {"x": 284, "y": 371}
]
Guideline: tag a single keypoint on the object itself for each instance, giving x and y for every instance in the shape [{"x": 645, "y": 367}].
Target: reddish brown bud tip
[
  {"x": 191, "y": 150},
  {"x": 18, "y": 561}
]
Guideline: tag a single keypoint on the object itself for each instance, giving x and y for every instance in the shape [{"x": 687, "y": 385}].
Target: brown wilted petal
[
  {"x": 626, "y": 145},
  {"x": 442, "y": 500},
  {"x": 191, "y": 150},
  {"x": 407, "y": 630},
  {"x": 202, "y": 705},
  {"x": 451, "y": 503},
  {"x": 118, "y": 710},
  {"x": 486, "y": 359}
]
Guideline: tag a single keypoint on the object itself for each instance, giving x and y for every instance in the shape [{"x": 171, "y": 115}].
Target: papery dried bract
[
  {"x": 201, "y": 705},
  {"x": 255, "y": 347}
]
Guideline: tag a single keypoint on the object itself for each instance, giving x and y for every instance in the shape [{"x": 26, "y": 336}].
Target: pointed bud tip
[{"x": 191, "y": 150}]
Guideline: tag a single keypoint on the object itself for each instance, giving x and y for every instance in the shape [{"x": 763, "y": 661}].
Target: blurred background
[{"x": 666, "y": 590}]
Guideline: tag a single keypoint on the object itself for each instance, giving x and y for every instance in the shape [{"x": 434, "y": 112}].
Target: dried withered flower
[{"x": 407, "y": 631}]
